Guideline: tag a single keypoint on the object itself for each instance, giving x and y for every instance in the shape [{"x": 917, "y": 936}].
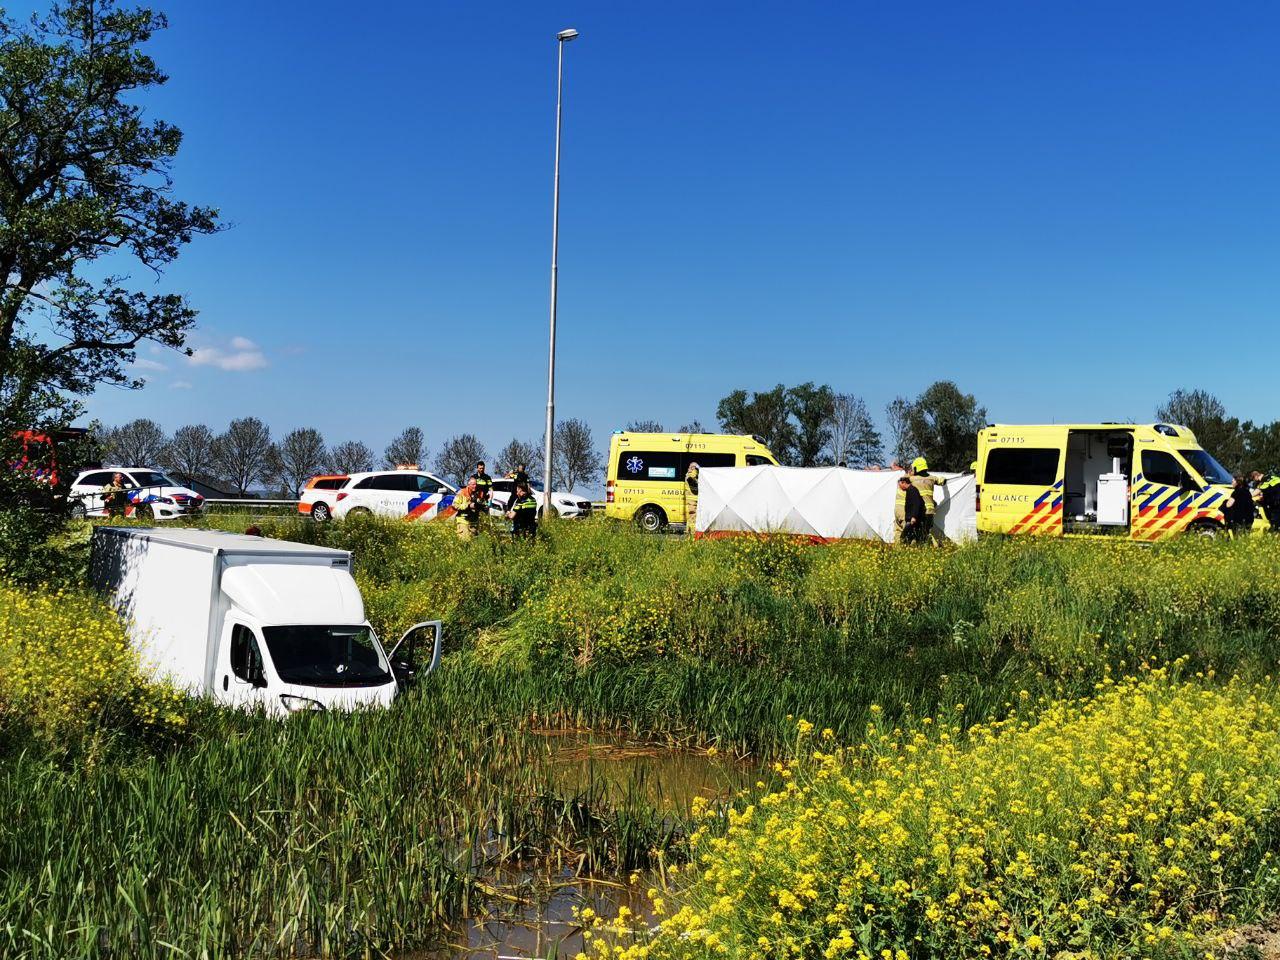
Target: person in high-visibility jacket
[
  {"x": 924, "y": 481},
  {"x": 468, "y": 505},
  {"x": 1267, "y": 493},
  {"x": 523, "y": 512},
  {"x": 691, "y": 498}
]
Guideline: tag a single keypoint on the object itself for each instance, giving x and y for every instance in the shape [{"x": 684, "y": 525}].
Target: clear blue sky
[{"x": 1069, "y": 209}]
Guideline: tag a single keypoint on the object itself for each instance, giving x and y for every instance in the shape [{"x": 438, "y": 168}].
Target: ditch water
[{"x": 535, "y": 915}]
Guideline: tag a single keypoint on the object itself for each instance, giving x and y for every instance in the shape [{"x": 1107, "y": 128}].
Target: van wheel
[
  {"x": 78, "y": 512},
  {"x": 651, "y": 519},
  {"x": 1206, "y": 530},
  {"x": 320, "y": 512}
]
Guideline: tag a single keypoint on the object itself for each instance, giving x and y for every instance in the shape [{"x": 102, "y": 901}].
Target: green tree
[
  {"x": 942, "y": 425},
  {"x": 811, "y": 408},
  {"x": 765, "y": 415},
  {"x": 1262, "y": 446},
  {"x": 1206, "y": 416},
  {"x": 85, "y": 187}
]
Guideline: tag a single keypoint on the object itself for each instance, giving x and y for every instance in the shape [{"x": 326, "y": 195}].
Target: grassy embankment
[{"x": 138, "y": 819}]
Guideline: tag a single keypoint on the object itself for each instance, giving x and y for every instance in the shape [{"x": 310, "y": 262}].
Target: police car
[
  {"x": 565, "y": 504},
  {"x": 149, "y": 494},
  {"x": 407, "y": 494}
]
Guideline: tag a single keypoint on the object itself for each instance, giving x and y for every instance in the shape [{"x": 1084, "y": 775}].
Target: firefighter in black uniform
[
  {"x": 484, "y": 485},
  {"x": 523, "y": 512}
]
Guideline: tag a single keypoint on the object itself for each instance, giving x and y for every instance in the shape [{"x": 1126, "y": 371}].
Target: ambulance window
[
  {"x": 755, "y": 460},
  {"x": 1161, "y": 467},
  {"x": 645, "y": 465},
  {"x": 708, "y": 460},
  {"x": 1033, "y": 467}
]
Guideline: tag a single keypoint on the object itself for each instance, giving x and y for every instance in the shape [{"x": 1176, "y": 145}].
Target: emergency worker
[
  {"x": 114, "y": 497},
  {"x": 915, "y": 520},
  {"x": 1267, "y": 495},
  {"x": 468, "y": 506},
  {"x": 484, "y": 483},
  {"x": 1239, "y": 510},
  {"x": 519, "y": 475},
  {"x": 925, "y": 482},
  {"x": 523, "y": 512},
  {"x": 691, "y": 498}
]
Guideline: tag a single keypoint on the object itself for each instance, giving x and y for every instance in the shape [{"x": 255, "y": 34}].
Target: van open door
[
  {"x": 1098, "y": 475},
  {"x": 417, "y": 652}
]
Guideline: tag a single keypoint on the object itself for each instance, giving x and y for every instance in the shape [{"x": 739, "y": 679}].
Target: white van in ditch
[{"x": 252, "y": 622}]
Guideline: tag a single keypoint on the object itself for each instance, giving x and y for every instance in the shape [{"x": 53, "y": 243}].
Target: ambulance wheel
[
  {"x": 78, "y": 512},
  {"x": 320, "y": 512},
  {"x": 651, "y": 519},
  {"x": 1207, "y": 530}
]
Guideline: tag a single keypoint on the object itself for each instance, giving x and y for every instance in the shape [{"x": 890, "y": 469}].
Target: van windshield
[
  {"x": 1206, "y": 466},
  {"x": 320, "y": 656},
  {"x": 150, "y": 478}
]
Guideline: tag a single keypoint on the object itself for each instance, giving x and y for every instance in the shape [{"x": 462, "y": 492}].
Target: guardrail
[{"x": 248, "y": 504}]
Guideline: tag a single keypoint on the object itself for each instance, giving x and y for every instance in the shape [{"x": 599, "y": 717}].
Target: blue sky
[{"x": 1069, "y": 209}]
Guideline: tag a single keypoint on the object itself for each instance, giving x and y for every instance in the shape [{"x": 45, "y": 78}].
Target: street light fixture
[{"x": 563, "y": 37}]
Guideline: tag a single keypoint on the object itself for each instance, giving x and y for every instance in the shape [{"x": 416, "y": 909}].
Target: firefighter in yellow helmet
[{"x": 925, "y": 482}]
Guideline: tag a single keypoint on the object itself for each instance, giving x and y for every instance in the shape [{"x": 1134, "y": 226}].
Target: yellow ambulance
[
  {"x": 1140, "y": 481},
  {"x": 644, "y": 478}
]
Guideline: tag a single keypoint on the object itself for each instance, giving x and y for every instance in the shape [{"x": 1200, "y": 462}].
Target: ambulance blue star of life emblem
[{"x": 635, "y": 465}]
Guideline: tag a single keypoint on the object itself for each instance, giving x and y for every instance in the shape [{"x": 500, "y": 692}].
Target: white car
[
  {"x": 407, "y": 494},
  {"x": 565, "y": 504},
  {"x": 149, "y": 492}
]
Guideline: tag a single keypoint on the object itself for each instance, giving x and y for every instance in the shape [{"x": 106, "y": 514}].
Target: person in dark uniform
[
  {"x": 523, "y": 512},
  {"x": 519, "y": 475},
  {"x": 1267, "y": 493},
  {"x": 1239, "y": 511},
  {"x": 915, "y": 520},
  {"x": 484, "y": 485}
]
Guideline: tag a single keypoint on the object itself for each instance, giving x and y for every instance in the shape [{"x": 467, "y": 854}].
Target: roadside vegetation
[{"x": 981, "y": 689}]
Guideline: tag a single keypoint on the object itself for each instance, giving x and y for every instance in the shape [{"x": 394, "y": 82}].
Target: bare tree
[
  {"x": 242, "y": 453},
  {"x": 409, "y": 447},
  {"x": 519, "y": 452},
  {"x": 190, "y": 452},
  {"x": 576, "y": 458},
  {"x": 644, "y": 426},
  {"x": 298, "y": 456},
  {"x": 458, "y": 457},
  {"x": 898, "y": 415},
  {"x": 139, "y": 443},
  {"x": 854, "y": 438},
  {"x": 693, "y": 426},
  {"x": 351, "y": 456}
]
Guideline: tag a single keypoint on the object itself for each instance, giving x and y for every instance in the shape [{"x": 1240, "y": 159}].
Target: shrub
[
  {"x": 67, "y": 671},
  {"x": 1131, "y": 824}
]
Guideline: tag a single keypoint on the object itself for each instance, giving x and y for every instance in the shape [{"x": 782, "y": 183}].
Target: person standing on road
[
  {"x": 915, "y": 518},
  {"x": 691, "y": 498},
  {"x": 523, "y": 513},
  {"x": 468, "y": 506},
  {"x": 1267, "y": 494}
]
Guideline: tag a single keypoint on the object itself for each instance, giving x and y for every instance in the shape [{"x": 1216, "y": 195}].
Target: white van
[{"x": 252, "y": 622}]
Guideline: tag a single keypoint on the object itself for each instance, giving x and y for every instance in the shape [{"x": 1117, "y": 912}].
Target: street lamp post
[{"x": 563, "y": 37}]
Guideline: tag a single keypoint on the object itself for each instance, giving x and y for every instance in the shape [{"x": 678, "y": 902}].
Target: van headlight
[{"x": 295, "y": 704}]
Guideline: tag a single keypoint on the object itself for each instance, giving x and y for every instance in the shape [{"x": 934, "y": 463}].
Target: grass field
[{"x": 143, "y": 824}]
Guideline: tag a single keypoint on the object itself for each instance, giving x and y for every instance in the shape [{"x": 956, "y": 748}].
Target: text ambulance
[{"x": 1141, "y": 481}]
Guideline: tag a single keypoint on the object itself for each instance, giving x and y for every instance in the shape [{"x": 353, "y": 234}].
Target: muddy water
[{"x": 530, "y": 915}]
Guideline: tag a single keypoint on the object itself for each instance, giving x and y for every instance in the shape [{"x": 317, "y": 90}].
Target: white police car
[
  {"x": 149, "y": 494},
  {"x": 565, "y": 504},
  {"x": 408, "y": 494}
]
